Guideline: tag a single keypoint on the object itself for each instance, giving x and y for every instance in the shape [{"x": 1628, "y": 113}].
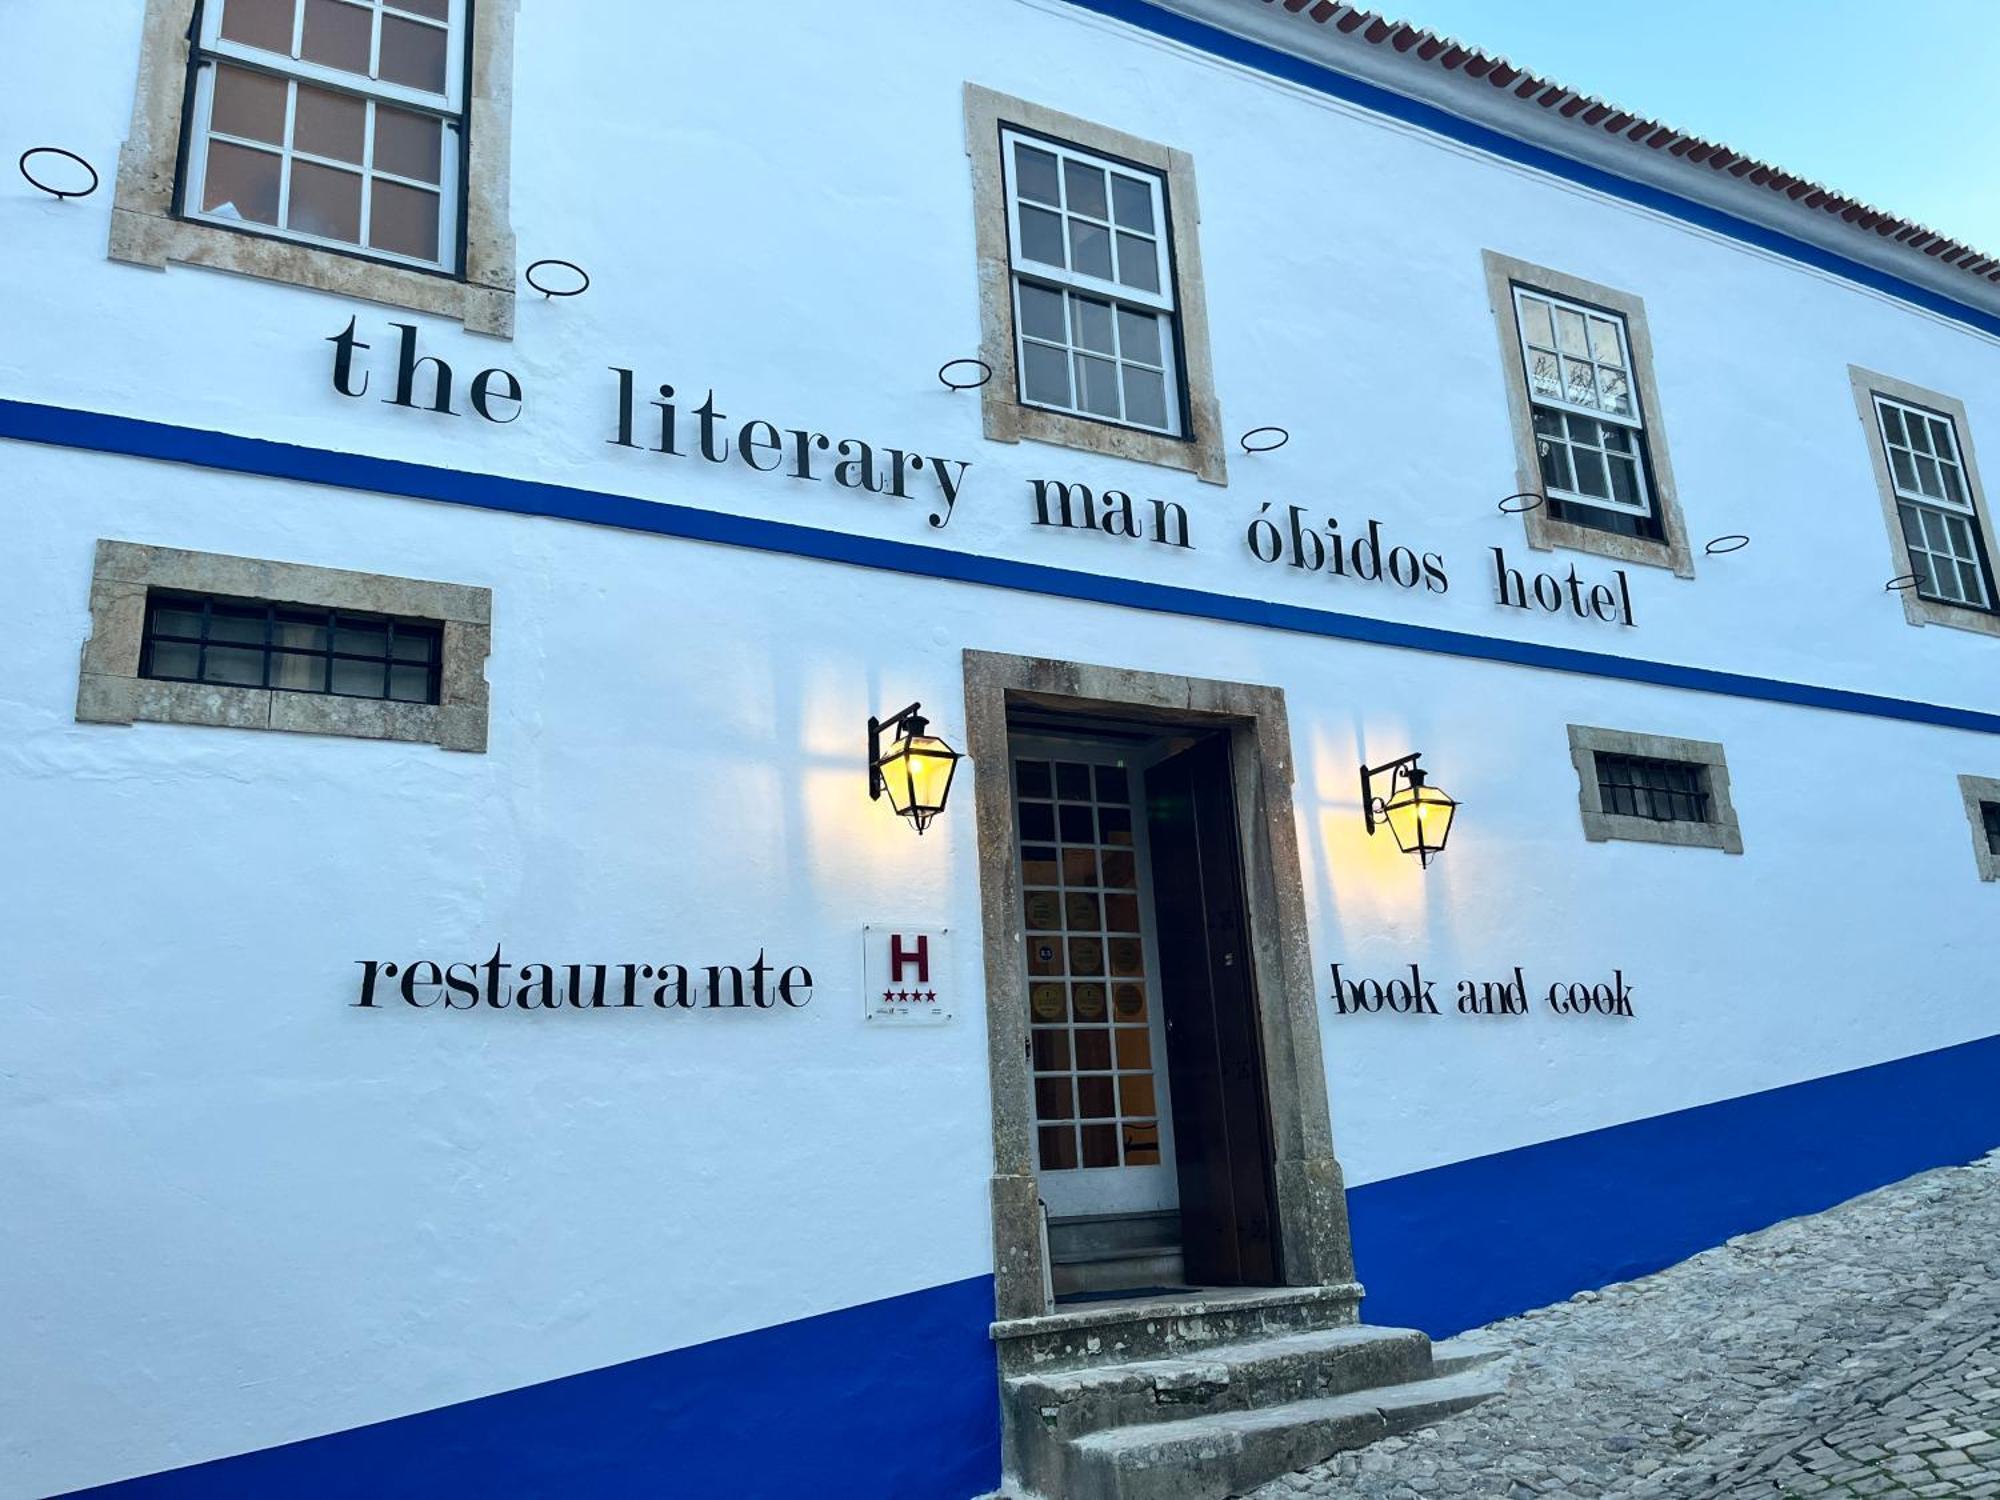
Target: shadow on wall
[
  {"x": 891, "y": 1400},
  {"x": 1466, "y": 1244}
]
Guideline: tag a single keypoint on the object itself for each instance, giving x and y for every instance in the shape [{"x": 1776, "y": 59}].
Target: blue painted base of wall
[
  {"x": 1458, "y": 1246},
  {"x": 899, "y": 1400},
  {"x": 892, "y": 1400}
]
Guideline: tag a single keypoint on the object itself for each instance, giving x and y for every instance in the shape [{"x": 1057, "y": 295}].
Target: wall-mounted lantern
[
  {"x": 915, "y": 770},
  {"x": 1417, "y": 813}
]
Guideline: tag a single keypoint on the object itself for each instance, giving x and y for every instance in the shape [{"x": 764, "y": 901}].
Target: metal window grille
[
  {"x": 1094, "y": 313},
  {"x": 336, "y": 122},
  {"x": 259, "y": 644},
  {"x": 1989, "y": 813},
  {"x": 1935, "y": 504},
  {"x": 1666, "y": 791},
  {"x": 1590, "y": 434}
]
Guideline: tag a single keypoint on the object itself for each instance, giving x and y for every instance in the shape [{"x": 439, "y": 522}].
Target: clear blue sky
[{"x": 1895, "y": 102}]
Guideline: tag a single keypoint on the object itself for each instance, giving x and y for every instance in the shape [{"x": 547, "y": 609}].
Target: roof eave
[{"x": 1596, "y": 134}]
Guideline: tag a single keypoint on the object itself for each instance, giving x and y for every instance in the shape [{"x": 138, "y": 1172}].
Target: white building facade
[{"x": 470, "y": 1025}]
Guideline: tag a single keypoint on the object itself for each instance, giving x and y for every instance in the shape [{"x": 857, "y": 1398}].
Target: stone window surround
[
  {"x": 1006, "y": 418},
  {"x": 1724, "y": 832},
  {"x": 1978, "y": 789},
  {"x": 1313, "y": 1236},
  {"x": 146, "y": 230},
  {"x": 111, "y": 691},
  {"x": 1918, "y": 610},
  {"x": 1545, "y": 532}
]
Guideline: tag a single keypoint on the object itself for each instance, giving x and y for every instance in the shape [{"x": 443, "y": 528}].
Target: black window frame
[
  {"x": 1637, "y": 793},
  {"x": 330, "y": 620},
  {"x": 1989, "y": 814}
]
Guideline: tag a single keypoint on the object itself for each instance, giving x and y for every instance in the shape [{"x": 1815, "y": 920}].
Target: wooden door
[{"x": 1215, "y": 1059}]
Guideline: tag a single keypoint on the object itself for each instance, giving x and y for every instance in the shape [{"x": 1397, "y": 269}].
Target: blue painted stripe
[
  {"x": 899, "y": 1399},
  {"x": 891, "y": 1400},
  {"x": 1322, "y": 79},
  {"x": 1466, "y": 1244},
  {"x": 133, "y": 437}
]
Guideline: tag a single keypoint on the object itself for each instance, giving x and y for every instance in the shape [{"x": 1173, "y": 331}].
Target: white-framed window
[
  {"x": 338, "y": 123},
  {"x": 1590, "y": 435},
  {"x": 1093, "y": 287},
  {"x": 1934, "y": 502}
]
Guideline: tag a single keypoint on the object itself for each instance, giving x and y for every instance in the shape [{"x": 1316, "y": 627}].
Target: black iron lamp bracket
[
  {"x": 1404, "y": 766},
  {"x": 909, "y": 722}
]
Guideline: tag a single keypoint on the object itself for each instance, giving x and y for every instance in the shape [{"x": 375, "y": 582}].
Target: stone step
[
  {"x": 1466, "y": 1352},
  {"x": 1225, "y": 1453},
  {"x": 1162, "y": 1327},
  {"x": 1066, "y": 1404}
]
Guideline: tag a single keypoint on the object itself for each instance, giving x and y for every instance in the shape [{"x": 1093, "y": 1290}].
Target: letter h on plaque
[{"x": 906, "y": 974}]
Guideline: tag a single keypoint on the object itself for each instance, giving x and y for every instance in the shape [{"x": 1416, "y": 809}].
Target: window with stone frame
[
  {"x": 1982, "y": 811},
  {"x": 1093, "y": 325},
  {"x": 1590, "y": 431},
  {"x": 1592, "y": 463},
  {"x": 1934, "y": 502},
  {"x": 1653, "y": 789},
  {"x": 182, "y": 637},
  {"x": 1934, "y": 508},
  {"x": 355, "y": 146},
  {"x": 336, "y": 122}
]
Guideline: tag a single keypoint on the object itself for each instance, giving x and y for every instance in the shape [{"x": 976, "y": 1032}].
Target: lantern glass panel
[
  {"x": 916, "y": 774},
  {"x": 1420, "y": 818}
]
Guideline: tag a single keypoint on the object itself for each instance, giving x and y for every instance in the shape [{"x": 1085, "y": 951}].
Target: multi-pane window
[
  {"x": 1989, "y": 813},
  {"x": 1934, "y": 502},
  {"x": 1089, "y": 1000},
  {"x": 1643, "y": 786},
  {"x": 257, "y": 644},
  {"x": 336, "y": 122},
  {"x": 1590, "y": 434},
  {"x": 1093, "y": 285}
]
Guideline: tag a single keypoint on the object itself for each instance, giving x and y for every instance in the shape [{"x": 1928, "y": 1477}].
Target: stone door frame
[{"x": 1314, "y": 1247}]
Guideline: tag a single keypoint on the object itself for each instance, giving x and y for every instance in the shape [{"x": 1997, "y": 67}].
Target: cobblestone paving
[{"x": 1854, "y": 1353}]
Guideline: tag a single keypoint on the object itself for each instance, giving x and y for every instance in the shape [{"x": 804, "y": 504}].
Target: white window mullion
[
  {"x": 285, "y": 156},
  {"x": 368, "y": 168}
]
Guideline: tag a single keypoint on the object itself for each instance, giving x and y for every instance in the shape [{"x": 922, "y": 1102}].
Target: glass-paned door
[{"x": 1103, "y": 1126}]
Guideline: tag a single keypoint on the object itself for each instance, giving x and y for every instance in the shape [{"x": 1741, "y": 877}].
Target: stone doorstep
[
  {"x": 1225, "y": 1377},
  {"x": 1112, "y": 1332},
  {"x": 1226, "y": 1453}
]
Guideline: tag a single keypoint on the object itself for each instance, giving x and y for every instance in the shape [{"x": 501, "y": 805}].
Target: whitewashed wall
[{"x": 241, "y": 1212}]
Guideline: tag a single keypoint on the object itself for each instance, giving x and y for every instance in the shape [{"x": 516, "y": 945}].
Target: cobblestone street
[{"x": 1854, "y": 1353}]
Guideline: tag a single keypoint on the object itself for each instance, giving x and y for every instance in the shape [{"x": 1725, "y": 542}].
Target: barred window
[
  {"x": 1590, "y": 434},
  {"x": 1666, "y": 791},
  {"x": 1934, "y": 502},
  {"x": 260, "y": 644},
  {"x": 1094, "y": 315},
  {"x": 335, "y": 122}
]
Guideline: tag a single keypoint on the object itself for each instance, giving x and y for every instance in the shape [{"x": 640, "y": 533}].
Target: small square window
[
  {"x": 1982, "y": 811},
  {"x": 1654, "y": 789}
]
